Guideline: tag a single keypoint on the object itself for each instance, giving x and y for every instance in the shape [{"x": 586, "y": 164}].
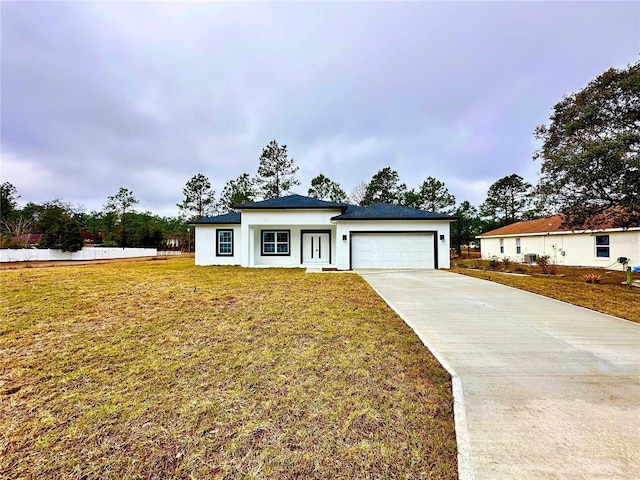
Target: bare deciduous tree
[{"x": 358, "y": 193}]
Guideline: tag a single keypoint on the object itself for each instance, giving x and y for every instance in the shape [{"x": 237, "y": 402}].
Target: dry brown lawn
[
  {"x": 611, "y": 295},
  {"x": 161, "y": 369}
]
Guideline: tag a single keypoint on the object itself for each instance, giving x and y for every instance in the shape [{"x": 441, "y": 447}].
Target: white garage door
[{"x": 392, "y": 250}]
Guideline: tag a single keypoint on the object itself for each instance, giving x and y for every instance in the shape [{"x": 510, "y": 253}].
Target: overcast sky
[{"x": 102, "y": 95}]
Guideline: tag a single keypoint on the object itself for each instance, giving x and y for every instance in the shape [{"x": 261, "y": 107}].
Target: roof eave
[
  {"x": 414, "y": 219},
  {"x": 317, "y": 207}
]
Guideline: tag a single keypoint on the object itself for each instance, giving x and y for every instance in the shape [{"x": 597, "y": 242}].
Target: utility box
[{"x": 530, "y": 258}]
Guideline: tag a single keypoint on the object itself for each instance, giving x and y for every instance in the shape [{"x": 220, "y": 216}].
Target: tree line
[
  {"x": 589, "y": 166},
  {"x": 61, "y": 225}
]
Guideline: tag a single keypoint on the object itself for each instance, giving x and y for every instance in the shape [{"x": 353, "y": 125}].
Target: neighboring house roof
[
  {"x": 229, "y": 218},
  {"x": 30, "y": 238},
  {"x": 542, "y": 225},
  {"x": 291, "y": 202},
  {"x": 385, "y": 211}
]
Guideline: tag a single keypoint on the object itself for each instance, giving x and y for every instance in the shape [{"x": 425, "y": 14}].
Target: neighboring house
[
  {"x": 297, "y": 231},
  {"x": 523, "y": 241}
]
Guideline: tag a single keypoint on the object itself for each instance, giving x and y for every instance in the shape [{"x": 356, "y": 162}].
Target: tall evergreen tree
[
  {"x": 435, "y": 197},
  {"x": 121, "y": 204},
  {"x": 238, "y": 191},
  {"x": 467, "y": 226},
  {"x": 411, "y": 198},
  {"x": 508, "y": 199},
  {"x": 384, "y": 187},
  {"x": 8, "y": 201},
  {"x": 199, "y": 198},
  {"x": 324, "y": 188},
  {"x": 276, "y": 171}
]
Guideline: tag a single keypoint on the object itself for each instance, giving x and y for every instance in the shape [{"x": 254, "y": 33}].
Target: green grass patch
[{"x": 166, "y": 370}]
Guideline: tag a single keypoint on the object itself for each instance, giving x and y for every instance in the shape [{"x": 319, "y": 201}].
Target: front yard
[{"x": 160, "y": 369}]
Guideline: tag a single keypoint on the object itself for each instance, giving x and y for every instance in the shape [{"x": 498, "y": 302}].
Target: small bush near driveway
[{"x": 166, "y": 370}]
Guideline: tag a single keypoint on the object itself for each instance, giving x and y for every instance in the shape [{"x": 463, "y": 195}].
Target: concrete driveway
[{"x": 543, "y": 389}]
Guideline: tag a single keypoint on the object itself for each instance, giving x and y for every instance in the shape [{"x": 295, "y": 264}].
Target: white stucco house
[
  {"x": 600, "y": 247},
  {"x": 298, "y": 231}
]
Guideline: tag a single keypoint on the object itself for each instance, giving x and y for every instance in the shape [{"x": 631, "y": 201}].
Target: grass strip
[{"x": 611, "y": 296}]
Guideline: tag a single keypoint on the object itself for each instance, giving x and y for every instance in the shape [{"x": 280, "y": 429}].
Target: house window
[
  {"x": 275, "y": 242},
  {"x": 602, "y": 246},
  {"x": 224, "y": 243},
  {"x": 502, "y": 245},
  {"x": 518, "y": 247}
]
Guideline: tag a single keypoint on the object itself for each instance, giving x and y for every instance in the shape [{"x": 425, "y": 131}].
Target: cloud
[{"x": 98, "y": 95}]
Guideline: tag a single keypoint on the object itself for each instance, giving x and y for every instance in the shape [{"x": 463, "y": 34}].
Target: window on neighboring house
[
  {"x": 275, "y": 242},
  {"x": 518, "y": 247},
  {"x": 502, "y": 245},
  {"x": 602, "y": 246},
  {"x": 224, "y": 243}
]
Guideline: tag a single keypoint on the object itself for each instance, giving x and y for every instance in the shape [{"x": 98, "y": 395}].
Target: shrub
[
  {"x": 506, "y": 261},
  {"x": 544, "y": 264},
  {"x": 592, "y": 278},
  {"x": 494, "y": 263},
  {"x": 519, "y": 269}
]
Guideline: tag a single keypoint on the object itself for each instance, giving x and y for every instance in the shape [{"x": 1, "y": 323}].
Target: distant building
[{"x": 525, "y": 241}]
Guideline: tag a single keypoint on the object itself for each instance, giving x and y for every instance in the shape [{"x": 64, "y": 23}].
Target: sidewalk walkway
[{"x": 544, "y": 389}]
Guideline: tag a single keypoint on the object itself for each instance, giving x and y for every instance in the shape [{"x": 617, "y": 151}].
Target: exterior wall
[
  {"x": 253, "y": 221},
  {"x": 346, "y": 227},
  {"x": 570, "y": 249},
  {"x": 206, "y": 245},
  {"x": 294, "y": 259},
  {"x": 91, "y": 253},
  {"x": 247, "y": 237}
]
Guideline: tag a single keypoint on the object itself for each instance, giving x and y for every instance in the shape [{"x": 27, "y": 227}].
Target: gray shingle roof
[
  {"x": 228, "y": 218},
  {"x": 291, "y": 202},
  {"x": 378, "y": 211},
  {"x": 385, "y": 211}
]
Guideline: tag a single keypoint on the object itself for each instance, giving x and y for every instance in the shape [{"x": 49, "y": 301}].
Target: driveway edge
[{"x": 466, "y": 468}]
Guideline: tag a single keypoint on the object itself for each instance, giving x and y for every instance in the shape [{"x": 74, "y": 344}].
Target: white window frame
[
  {"x": 281, "y": 248},
  {"x": 518, "y": 247},
  {"x": 502, "y": 245}
]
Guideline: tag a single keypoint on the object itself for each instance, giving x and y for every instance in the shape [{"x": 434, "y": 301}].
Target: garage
[{"x": 393, "y": 250}]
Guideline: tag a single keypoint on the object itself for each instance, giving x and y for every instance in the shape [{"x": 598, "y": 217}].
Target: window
[
  {"x": 602, "y": 246},
  {"x": 224, "y": 243},
  {"x": 275, "y": 242},
  {"x": 502, "y": 245},
  {"x": 518, "y": 248}
]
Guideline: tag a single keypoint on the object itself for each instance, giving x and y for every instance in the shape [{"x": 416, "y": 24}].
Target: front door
[{"x": 316, "y": 248}]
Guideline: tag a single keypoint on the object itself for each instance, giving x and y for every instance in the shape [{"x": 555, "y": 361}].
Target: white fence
[
  {"x": 91, "y": 253},
  {"x": 169, "y": 253}
]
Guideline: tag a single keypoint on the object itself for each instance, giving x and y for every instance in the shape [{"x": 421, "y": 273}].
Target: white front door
[{"x": 316, "y": 248}]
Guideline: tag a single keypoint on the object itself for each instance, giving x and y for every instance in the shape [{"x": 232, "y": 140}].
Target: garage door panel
[{"x": 392, "y": 250}]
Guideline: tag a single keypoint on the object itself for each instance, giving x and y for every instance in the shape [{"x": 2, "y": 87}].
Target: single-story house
[
  {"x": 298, "y": 231},
  {"x": 525, "y": 241}
]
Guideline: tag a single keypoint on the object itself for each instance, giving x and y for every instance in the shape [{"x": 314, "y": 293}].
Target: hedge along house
[
  {"x": 525, "y": 241},
  {"x": 297, "y": 231}
]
